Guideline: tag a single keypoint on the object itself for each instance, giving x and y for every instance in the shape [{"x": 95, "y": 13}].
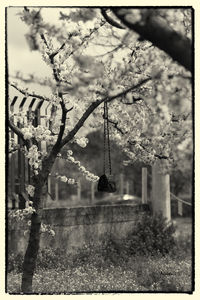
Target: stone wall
[{"x": 77, "y": 226}]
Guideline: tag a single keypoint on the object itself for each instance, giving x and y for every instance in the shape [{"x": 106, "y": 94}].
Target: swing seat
[{"x": 106, "y": 185}]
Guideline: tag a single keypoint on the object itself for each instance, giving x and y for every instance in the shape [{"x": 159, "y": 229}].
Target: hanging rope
[
  {"x": 106, "y": 184},
  {"x": 106, "y": 134}
]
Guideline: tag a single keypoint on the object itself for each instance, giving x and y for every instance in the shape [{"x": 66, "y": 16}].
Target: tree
[
  {"x": 145, "y": 101},
  {"x": 150, "y": 25}
]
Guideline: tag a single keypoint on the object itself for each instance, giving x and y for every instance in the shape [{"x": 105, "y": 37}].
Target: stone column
[
  {"x": 161, "y": 192},
  {"x": 144, "y": 185}
]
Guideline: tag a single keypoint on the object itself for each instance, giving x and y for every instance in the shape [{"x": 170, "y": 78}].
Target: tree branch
[
  {"x": 156, "y": 30},
  {"x": 28, "y": 94},
  {"x": 109, "y": 52},
  {"x": 93, "y": 106},
  {"x": 110, "y": 20},
  {"x": 62, "y": 127},
  {"x": 18, "y": 132},
  {"x": 133, "y": 142}
]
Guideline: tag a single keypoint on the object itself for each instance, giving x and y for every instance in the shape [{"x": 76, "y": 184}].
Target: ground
[{"x": 150, "y": 274}]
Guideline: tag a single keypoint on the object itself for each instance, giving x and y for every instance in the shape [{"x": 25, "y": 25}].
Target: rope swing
[{"x": 106, "y": 184}]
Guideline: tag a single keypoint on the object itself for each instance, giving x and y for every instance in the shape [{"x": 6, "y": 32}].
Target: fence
[
  {"x": 34, "y": 110},
  {"x": 20, "y": 172}
]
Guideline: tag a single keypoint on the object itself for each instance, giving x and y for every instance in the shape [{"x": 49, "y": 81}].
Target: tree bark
[
  {"x": 31, "y": 254},
  {"x": 154, "y": 29},
  {"x": 30, "y": 258}
]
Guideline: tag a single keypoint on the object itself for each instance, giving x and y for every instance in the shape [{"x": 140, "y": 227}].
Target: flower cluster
[
  {"x": 21, "y": 214},
  {"x": 64, "y": 178},
  {"x": 30, "y": 190},
  {"x": 84, "y": 16},
  {"x": 47, "y": 229},
  {"x": 34, "y": 158},
  {"x": 82, "y": 142},
  {"x": 89, "y": 176},
  {"x": 40, "y": 133}
]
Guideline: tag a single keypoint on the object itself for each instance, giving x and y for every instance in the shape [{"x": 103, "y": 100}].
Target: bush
[{"x": 151, "y": 235}]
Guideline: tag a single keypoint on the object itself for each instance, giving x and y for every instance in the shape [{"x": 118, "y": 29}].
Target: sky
[
  {"x": 20, "y": 58},
  {"x": 19, "y": 55}
]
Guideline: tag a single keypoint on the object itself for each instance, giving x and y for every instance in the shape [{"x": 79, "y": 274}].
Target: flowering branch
[
  {"x": 93, "y": 106},
  {"x": 154, "y": 28},
  {"x": 26, "y": 93},
  {"x": 134, "y": 142},
  {"x": 18, "y": 132}
]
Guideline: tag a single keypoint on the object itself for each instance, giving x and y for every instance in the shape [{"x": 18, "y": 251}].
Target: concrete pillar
[
  {"x": 161, "y": 192},
  {"x": 121, "y": 191},
  {"x": 127, "y": 188},
  {"x": 92, "y": 192},
  {"x": 180, "y": 208},
  {"x": 79, "y": 190},
  {"x": 56, "y": 190},
  {"x": 49, "y": 189},
  {"x": 144, "y": 185}
]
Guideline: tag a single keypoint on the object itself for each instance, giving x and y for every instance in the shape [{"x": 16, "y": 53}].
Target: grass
[
  {"x": 136, "y": 275},
  {"x": 110, "y": 269}
]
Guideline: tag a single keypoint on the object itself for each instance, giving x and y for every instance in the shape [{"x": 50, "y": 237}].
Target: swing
[{"x": 106, "y": 183}]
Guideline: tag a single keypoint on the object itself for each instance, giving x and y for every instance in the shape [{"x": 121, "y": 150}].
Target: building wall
[{"x": 77, "y": 226}]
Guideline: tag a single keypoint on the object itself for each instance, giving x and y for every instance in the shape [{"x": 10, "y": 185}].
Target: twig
[
  {"x": 111, "y": 51},
  {"x": 93, "y": 106},
  {"x": 133, "y": 142},
  {"x": 28, "y": 94}
]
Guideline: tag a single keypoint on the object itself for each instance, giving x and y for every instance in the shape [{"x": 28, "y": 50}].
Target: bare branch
[{"x": 111, "y": 51}]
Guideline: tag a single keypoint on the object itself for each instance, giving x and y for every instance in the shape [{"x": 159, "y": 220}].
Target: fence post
[
  {"x": 127, "y": 188},
  {"x": 56, "y": 190},
  {"x": 49, "y": 188},
  {"x": 121, "y": 191},
  {"x": 92, "y": 192},
  {"x": 161, "y": 192},
  {"x": 180, "y": 208},
  {"x": 144, "y": 185},
  {"x": 79, "y": 190}
]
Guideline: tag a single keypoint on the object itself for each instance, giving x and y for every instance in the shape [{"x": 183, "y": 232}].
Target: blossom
[
  {"x": 52, "y": 232},
  {"x": 71, "y": 181},
  {"x": 63, "y": 178},
  {"x": 30, "y": 190},
  {"x": 82, "y": 142},
  {"x": 69, "y": 152}
]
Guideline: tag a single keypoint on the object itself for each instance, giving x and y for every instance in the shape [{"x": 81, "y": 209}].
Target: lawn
[{"x": 136, "y": 275}]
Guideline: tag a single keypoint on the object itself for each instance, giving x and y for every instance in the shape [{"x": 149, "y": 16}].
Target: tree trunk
[
  {"x": 156, "y": 30},
  {"x": 30, "y": 258}
]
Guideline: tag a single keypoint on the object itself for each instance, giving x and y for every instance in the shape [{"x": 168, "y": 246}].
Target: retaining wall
[{"x": 77, "y": 226}]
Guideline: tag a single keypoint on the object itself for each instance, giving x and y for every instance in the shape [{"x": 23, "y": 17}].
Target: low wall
[{"x": 77, "y": 226}]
